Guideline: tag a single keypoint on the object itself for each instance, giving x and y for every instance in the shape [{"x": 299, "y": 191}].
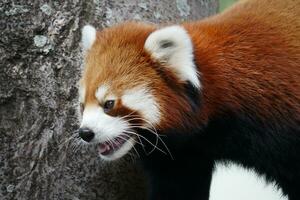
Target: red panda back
[{"x": 249, "y": 59}]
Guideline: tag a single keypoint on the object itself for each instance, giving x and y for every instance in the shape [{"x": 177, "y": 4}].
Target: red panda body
[
  {"x": 252, "y": 52},
  {"x": 226, "y": 88}
]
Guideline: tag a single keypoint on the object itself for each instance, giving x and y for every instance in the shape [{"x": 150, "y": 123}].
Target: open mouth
[{"x": 109, "y": 147}]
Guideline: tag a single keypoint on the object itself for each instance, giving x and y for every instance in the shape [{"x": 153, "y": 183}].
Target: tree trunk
[{"x": 40, "y": 65}]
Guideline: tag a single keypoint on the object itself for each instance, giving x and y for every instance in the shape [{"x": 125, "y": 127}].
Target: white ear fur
[
  {"x": 88, "y": 37},
  {"x": 172, "y": 45}
]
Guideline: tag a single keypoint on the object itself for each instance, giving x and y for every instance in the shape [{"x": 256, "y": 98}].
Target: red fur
[{"x": 248, "y": 57}]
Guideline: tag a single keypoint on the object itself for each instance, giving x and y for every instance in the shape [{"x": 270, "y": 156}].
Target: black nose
[{"x": 86, "y": 134}]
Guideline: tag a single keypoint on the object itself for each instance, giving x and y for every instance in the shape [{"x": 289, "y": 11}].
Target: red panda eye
[
  {"x": 108, "y": 105},
  {"x": 81, "y": 108}
]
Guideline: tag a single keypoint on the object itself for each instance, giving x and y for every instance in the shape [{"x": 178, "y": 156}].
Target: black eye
[
  {"x": 81, "y": 108},
  {"x": 108, "y": 105}
]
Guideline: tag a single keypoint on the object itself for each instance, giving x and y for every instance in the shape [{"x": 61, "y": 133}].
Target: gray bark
[{"x": 40, "y": 64}]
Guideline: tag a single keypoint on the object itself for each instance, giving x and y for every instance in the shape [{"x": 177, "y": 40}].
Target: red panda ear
[
  {"x": 88, "y": 37},
  {"x": 172, "y": 45}
]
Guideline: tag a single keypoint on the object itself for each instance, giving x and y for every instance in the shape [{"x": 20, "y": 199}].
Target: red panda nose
[{"x": 86, "y": 134}]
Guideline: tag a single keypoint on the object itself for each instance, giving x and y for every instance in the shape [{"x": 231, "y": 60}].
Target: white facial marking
[
  {"x": 101, "y": 92},
  {"x": 81, "y": 91},
  {"x": 234, "y": 182},
  {"x": 104, "y": 126},
  {"x": 88, "y": 37},
  {"x": 140, "y": 99},
  {"x": 172, "y": 45}
]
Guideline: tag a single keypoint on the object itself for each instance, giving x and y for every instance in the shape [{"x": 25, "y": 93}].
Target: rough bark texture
[{"x": 40, "y": 62}]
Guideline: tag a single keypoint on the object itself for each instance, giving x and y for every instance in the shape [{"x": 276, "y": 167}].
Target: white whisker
[
  {"x": 152, "y": 131},
  {"x": 120, "y": 136},
  {"x": 131, "y": 132},
  {"x": 66, "y": 142}
]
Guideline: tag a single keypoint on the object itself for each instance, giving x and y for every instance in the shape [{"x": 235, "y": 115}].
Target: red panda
[{"x": 183, "y": 97}]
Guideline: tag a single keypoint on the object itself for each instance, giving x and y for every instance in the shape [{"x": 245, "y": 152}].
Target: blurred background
[{"x": 225, "y": 3}]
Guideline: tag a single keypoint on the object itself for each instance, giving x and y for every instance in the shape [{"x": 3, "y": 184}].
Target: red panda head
[{"x": 135, "y": 77}]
